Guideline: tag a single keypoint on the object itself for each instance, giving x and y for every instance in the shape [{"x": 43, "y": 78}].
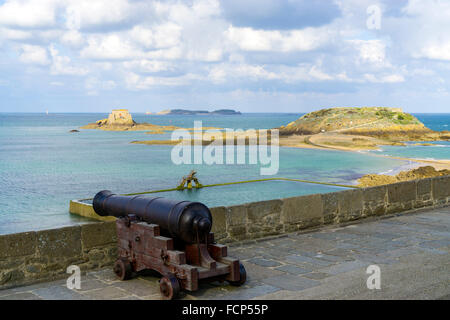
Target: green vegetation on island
[{"x": 380, "y": 122}]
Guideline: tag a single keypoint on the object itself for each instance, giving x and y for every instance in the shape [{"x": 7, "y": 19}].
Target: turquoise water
[
  {"x": 439, "y": 151},
  {"x": 435, "y": 121},
  {"x": 245, "y": 193},
  {"x": 43, "y": 166}
]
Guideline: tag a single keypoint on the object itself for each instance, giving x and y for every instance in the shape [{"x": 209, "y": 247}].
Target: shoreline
[
  {"x": 438, "y": 164},
  {"x": 304, "y": 142}
]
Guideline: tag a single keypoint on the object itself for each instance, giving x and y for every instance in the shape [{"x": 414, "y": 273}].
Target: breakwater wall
[{"x": 44, "y": 255}]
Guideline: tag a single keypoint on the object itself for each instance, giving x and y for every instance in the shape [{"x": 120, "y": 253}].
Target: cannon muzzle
[{"x": 188, "y": 221}]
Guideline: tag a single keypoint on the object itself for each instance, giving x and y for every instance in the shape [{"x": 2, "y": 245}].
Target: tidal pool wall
[{"x": 44, "y": 255}]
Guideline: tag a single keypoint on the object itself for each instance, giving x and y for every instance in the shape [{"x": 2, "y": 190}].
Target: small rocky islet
[{"x": 121, "y": 120}]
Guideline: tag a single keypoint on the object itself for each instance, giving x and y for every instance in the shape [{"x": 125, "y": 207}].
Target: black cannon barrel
[{"x": 186, "y": 220}]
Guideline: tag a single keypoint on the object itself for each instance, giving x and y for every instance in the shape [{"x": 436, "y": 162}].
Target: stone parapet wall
[
  {"x": 43, "y": 255},
  {"x": 265, "y": 218}
]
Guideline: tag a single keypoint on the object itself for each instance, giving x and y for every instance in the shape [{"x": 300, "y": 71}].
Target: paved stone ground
[{"x": 412, "y": 251}]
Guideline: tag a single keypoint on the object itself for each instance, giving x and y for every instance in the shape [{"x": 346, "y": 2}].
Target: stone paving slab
[{"x": 412, "y": 251}]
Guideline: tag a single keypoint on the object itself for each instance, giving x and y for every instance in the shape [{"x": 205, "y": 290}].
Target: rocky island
[
  {"x": 353, "y": 129},
  {"x": 366, "y": 128},
  {"x": 121, "y": 120},
  {"x": 391, "y": 124}
]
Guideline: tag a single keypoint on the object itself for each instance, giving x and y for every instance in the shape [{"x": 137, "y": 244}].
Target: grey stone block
[
  {"x": 293, "y": 269},
  {"x": 98, "y": 234},
  {"x": 316, "y": 275},
  {"x": 434, "y": 244},
  {"x": 330, "y": 207},
  {"x": 59, "y": 293},
  {"x": 374, "y": 200},
  {"x": 401, "y": 196},
  {"x": 21, "y": 296},
  {"x": 236, "y": 216},
  {"x": 302, "y": 209},
  {"x": 258, "y": 211},
  {"x": 302, "y": 259},
  {"x": 424, "y": 187},
  {"x": 219, "y": 215},
  {"x": 344, "y": 267},
  {"x": 291, "y": 283},
  {"x": 264, "y": 262},
  {"x": 441, "y": 188},
  {"x": 350, "y": 205},
  {"x": 17, "y": 245},
  {"x": 59, "y": 244},
  {"x": 250, "y": 293}
]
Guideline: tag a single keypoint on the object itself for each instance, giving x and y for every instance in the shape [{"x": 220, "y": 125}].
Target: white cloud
[
  {"x": 436, "y": 51},
  {"x": 28, "y": 13},
  {"x": 422, "y": 29},
  {"x": 137, "y": 82},
  {"x": 148, "y": 66},
  {"x": 287, "y": 74},
  {"x": 110, "y": 47},
  {"x": 97, "y": 14},
  {"x": 13, "y": 34},
  {"x": 148, "y": 44},
  {"x": 165, "y": 54},
  {"x": 159, "y": 36},
  {"x": 249, "y": 39},
  {"x": 318, "y": 74},
  {"x": 93, "y": 85},
  {"x": 224, "y": 72},
  {"x": 61, "y": 65},
  {"x": 392, "y": 78},
  {"x": 372, "y": 51},
  {"x": 34, "y": 55},
  {"x": 73, "y": 38}
]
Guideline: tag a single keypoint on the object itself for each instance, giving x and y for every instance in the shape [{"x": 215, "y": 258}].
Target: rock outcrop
[
  {"x": 121, "y": 120},
  {"x": 370, "y": 180},
  {"x": 120, "y": 117}
]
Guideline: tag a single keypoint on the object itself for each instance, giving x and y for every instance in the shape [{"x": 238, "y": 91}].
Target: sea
[{"x": 43, "y": 166}]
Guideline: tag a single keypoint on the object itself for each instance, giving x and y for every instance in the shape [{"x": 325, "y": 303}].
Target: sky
[{"x": 252, "y": 56}]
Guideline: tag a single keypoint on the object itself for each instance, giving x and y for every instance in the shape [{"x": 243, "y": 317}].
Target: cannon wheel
[
  {"x": 122, "y": 269},
  {"x": 242, "y": 276},
  {"x": 169, "y": 287}
]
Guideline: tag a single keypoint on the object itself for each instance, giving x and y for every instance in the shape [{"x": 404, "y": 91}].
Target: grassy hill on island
[
  {"x": 371, "y": 121},
  {"x": 380, "y": 122}
]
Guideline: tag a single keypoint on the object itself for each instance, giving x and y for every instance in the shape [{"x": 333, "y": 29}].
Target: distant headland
[{"x": 198, "y": 112}]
